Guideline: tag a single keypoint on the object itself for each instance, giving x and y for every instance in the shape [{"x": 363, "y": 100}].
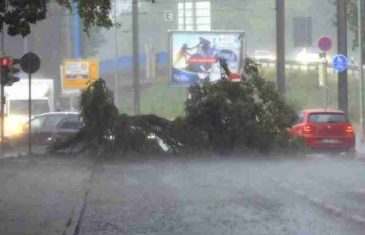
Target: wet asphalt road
[{"x": 318, "y": 195}]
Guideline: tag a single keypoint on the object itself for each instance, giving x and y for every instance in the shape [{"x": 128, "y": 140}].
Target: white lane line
[
  {"x": 328, "y": 207},
  {"x": 300, "y": 192},
  {"x": 334, "y": 209},
  {"x": 275, "y": 179},
  {"x": 361, "y": 191},
  {"x": 285, "y": 185},
  {"x": 10, "y": 156},
  {"x": 315, "y": 200},
  {"x": 357, "y": 218}
]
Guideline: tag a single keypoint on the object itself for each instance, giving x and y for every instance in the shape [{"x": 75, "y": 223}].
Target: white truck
[{"x": 16, "y": 107}]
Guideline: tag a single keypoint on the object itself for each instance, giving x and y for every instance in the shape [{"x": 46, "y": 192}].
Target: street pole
[
  {"x": 116, "y": 82},
  {"x": 280, "y": 45},
  {"x": 342, "y": 49},
  {"x": 361, "y": 72},
  {"x": 30, "y": 113},
  {"x": 325, "y": 77},
  {"x": 135, "y": 39}
]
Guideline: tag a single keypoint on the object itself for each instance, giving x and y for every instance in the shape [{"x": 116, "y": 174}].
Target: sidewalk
[
  {"x": 41, "y": 194},
  {"x": 360, "y": 147},
  {"x": 23, "y": 151}
]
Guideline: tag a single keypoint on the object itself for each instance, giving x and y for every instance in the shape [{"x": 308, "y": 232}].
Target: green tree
[
  {"x": 352, "y": 11},
  {"x": 352, "y": 18},
  {"x": 18, "y": 15}
]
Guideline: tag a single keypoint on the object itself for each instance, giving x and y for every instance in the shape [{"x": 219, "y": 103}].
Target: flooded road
[
  {"x": 232, "y": 196},
  {"x": 315, "y": 195}
]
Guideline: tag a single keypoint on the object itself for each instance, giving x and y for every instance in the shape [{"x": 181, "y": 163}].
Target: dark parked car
[{"x": 50, "y": 125}]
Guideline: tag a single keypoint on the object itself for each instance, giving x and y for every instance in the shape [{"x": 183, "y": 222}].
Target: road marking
[
  {"x": 285, "y": 185},
  {"x": 333, "y": 209},
  {"x": 300, "y": 192},
  {"x": 315, "y": 200},
  {"x": 275, "y": 179},
  {"x": 358, "y": 219},
  {"x": 328, "y": 207},
  {"x": 361, "y": 191}
]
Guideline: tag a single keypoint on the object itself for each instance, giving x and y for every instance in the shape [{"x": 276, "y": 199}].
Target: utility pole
[
  {"x": 361, "y": 72},
  {"x": 342, "y": 49},
  {"x": 280, "y": 45},
  {"x": 135, "y": 39}
]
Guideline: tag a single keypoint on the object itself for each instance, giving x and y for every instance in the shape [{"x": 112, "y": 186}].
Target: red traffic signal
[
  {"x": 8, "y": 70},
  {"x": 5, "y": 61}
]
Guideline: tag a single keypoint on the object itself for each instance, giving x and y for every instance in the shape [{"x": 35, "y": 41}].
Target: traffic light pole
[{"x": 2, "y": 111}]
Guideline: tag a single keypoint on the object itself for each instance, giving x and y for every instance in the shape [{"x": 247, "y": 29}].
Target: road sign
[
  {"x": 325, "y": 43},
  {"x": 78, "y": 74},
  {"x": 30, "y": 63},
  {"x": 340, "y": 63},
  {"x": 169, "y": 16}
]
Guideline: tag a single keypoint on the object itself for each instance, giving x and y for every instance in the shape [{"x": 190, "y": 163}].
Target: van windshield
[{"x": 20, "y": 107}]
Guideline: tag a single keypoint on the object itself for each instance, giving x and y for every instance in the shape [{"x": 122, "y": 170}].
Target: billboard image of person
[{"x": 195, "y": 56}]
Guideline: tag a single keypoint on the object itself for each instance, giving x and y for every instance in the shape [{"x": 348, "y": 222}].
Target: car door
[
  {"x": 36, "y": 127},
  {"x": 48, "y": 128},
  {"x": 68, "y": 126}
]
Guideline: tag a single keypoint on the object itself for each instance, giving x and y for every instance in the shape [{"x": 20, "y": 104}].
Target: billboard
[
  {"x": 194, "y": 55},
  {"x": 78, "y": 74}
]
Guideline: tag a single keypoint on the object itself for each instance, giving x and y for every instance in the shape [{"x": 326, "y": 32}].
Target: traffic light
[
  {"x": 13, "y": 71},
  {"x": 8, "y": 71},
  {"x": 5, "y": 65}
]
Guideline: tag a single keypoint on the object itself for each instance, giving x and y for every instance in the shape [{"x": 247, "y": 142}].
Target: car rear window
[{"x": 328, "y": 118}]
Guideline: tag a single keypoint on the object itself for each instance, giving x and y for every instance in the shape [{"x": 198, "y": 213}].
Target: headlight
[{"x": 13, "y": 127}]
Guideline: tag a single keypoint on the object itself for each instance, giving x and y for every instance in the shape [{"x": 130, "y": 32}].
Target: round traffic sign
[
  {"x": 325, "y": 43},
  {"x": 30, "y": 63},
  {"x": 340, "y": 63}
]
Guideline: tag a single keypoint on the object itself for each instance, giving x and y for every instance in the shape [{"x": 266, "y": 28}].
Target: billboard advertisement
[
  {"x": 78, "y": 74},
  {"x": 194, "y": 55}
]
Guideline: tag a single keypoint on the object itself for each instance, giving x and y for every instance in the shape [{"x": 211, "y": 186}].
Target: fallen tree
[{"x": 222, "y": 117}]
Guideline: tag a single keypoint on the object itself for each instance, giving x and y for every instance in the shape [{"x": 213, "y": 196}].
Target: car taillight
[
  {"x": 308, "y": 129},
  {"x": 349, "y": 129}
]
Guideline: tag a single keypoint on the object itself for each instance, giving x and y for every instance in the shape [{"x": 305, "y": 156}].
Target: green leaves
[
  {"x": 95, "y": 13},
  {"x": 249, "y": 114},
  {"x": 18, "y": 15}
]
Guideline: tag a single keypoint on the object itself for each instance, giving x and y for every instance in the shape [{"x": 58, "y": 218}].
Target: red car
[{"x": 325, "y": 129}]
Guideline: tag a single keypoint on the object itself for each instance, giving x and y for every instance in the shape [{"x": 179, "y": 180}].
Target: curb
[{"x": 74, "y": 222}]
